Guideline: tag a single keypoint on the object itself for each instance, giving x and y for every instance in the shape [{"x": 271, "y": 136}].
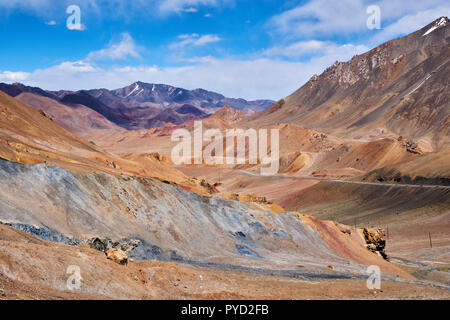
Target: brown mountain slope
[
  {"x": 228, "y": 114},
  {"x": 303, "y": 152},
  {"x": 416, "y": 170},
  {"x": 398, "y": 88},
  {"x": 159, "y": 139},
  {"x": 27, "y": 136},
  {"x": 78, "y": 119}
]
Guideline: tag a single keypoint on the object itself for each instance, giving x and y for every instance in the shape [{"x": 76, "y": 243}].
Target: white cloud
[
  {"x": 9, "y": 76},
  {"x": 321, "y": 48},
  {"x": 207, "y": 38},
  {"x": 188, "y": 36},
  {"x": 320, "y": 16},
  {"x": 117, "y": 51},
  {"x": 194, "y": 39},
  {"x": 190, "y": 10},
  {"x": 296, "y": 49},
  {"x": 63, "y": 71},
  {"x": 168, "y": 6},
  {"x": 78, "y": 27},
  {"x": 323, "y": 17},
  {"x": 73, "y": 67},
  {"x": 234, "y": 78},
  {"x": 51, "y": 23}
]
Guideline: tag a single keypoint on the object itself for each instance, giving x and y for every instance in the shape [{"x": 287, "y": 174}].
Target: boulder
[
  {"x": 117, "y": 255},
  {"x": 100, "y": 244}
]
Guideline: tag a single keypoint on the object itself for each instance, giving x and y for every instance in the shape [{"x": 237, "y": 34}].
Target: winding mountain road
[{"x": 253, "y": 174}]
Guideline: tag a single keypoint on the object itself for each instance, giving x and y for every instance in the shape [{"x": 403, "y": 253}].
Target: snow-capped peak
[
  {"x": 135, "y": 88},
  {"x": 438, "y": 24}
]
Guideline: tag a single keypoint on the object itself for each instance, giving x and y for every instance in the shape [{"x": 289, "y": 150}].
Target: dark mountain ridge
[{"x": 144, "y": 105}]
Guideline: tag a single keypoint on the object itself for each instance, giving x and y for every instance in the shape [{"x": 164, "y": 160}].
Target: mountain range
[{"x": 139, "y": 105}]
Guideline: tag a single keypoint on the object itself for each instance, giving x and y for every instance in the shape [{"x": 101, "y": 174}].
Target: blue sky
[{"x": 241, "y": 48}]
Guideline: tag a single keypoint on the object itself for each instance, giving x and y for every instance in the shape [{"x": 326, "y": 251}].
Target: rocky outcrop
[
  {"x": 376, "y": 241},
  {"x": 105, "y": 244}
]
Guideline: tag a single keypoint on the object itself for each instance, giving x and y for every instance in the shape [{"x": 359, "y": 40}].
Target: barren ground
[{"x": 25, "y": 255}]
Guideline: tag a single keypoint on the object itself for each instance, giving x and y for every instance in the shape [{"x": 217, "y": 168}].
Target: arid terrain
[
  {"x": 363, "y": 180},
  {"x": 39, "y": 273}
]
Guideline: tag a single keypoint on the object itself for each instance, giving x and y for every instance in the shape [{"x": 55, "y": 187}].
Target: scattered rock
[
  {"x": 126, "y": 245},
  {"x": 246, "y": 251},
  {"x": 344, "y": 229},
  {"x": 410, "y": 146},
  {"x": 100, "y": 244},
  {"x": 245, "y": 198},
  {"x": 125, "y": 177},
  {"x": 117, "y": 255},
  {"x": 112, "y": 165},
  {"x": 2, "y": 293},
  {"x": 320, "y": 135},
  {"x": 413, "y": 147},
  {"x": 211, "y": 188},
  {"x": 157, "y": 156},
  {"x": 43, "y": 114}
]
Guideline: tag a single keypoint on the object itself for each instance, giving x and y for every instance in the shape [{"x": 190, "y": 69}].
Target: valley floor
[
  {"x": 36, "y": 269},
  {"x": 411, "y": 214}
]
